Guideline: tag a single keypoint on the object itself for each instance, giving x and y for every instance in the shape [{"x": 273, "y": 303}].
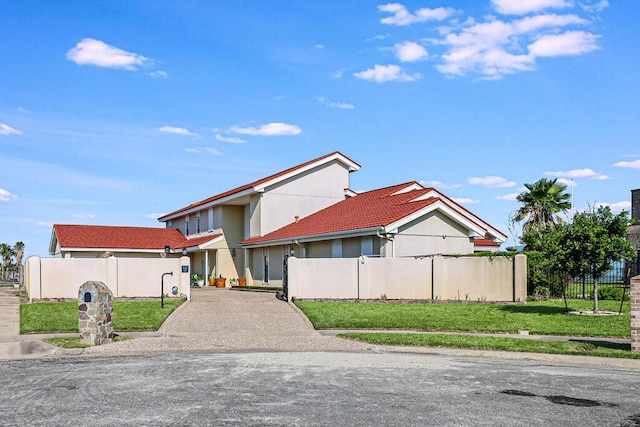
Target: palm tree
[
  {"x": 6, "y": 253},
  {"x": 541, "y": 204},
  {"x": 18, "y": 250}
]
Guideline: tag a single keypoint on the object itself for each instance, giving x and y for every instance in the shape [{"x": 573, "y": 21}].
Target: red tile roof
[
  {"x": 197, "y": 241},
  {"x": 115, "y": 237},
  {"x": 371, "y": 209},
  {"x": 251, "y": 185},
  {"x": 485, "y": 242},
  {"x": 367, "y": 210}
]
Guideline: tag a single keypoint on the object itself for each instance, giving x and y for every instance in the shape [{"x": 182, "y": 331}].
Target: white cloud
[
  {"x": 5, "y": 196},
  {"x": 597, "y": 6},
  {"x": 159, "y": 74},
  {"x": 632, "y": 165},
  {"x": 176, "y": 130},
  {"x": 569, "y": 43},
  {"x": 492, "y": 182},
  {"x": 331, "y": 104},
  {"x": 401, "y": 16},
  {"x": 376, "y": 37},
  {"x": 568, "y": 182},
  {"x": 438, "y": 184},
  {"x": 522, "y": 7},
  {"x": 8, "y": 130},
  {"x": 466, "y": 201},
  {"x": 270, "y": 129},
  {"x": 199, "y": 150},
  {"x": 509, "y": 197},
  {"x": 229, "y": 139},
  {"x": 578, "y": 173},
  {"x": 319, "y": 46},
  {"x": 155, "y": 215},
  {"x": 617, "y": 207},
  {"x": 83, "y": 216},
  {"x": 494, "y": 47},
  {"x": 386, "y": 73},
  {"x": 337, "y": 74},
  {"x": 90, "y": 51},
  {"x": 410, "y": 52}
]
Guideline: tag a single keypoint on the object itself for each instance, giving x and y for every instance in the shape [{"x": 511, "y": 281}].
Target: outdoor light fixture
[
  {"x": 184, "y": 251},
  {"x": 233, "y": 252},
  {"x": 292, "y": 252},
  {"x": 166, "y": 251}
]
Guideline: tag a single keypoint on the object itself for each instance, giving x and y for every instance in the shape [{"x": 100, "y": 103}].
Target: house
[
  {"x": 310, "y": 211},
  {"x": 307, "y": 211}
]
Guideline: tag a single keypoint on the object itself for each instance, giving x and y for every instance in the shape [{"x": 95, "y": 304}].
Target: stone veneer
[
  {"x": 635, "y": 314},
  {"x": 95, "y": 313}
]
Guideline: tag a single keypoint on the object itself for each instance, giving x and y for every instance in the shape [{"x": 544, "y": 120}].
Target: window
[
  {"x": 186, "y": 227},
  {"x": 265, "y": 278},
  {"x": 197, "y": 224}
]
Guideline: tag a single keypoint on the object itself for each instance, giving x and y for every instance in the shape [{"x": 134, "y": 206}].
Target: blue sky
[{"x": 113, "y": 113}]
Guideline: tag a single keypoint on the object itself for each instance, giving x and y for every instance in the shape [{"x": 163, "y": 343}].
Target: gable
[{"x": 240, "y": 195}]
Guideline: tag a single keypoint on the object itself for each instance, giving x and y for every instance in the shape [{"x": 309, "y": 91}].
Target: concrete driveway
[{"x": 225, "y": 320}]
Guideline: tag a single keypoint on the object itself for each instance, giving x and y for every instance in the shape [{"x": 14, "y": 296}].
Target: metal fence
[{"x": 611, "y": 285}]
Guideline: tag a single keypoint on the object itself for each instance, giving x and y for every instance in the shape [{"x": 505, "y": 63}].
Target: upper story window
[
  {"x": 186, "y": 227},
  {"x": 197, "y": 225}
]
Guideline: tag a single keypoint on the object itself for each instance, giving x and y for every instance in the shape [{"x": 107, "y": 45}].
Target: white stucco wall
[
  {"x": 305, "y": 194},
  {"x": 454, "y": 279},
  {"x": 125, "y": 277}
]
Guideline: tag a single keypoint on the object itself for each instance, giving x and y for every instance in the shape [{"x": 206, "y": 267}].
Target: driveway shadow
[{"x": 533, "y": 309}]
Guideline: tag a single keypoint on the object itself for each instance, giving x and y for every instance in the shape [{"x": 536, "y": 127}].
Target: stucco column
[
  {"x": 520, "y": 278},
  {"x": 635, "y": 314},
  {"x": 185, "y": 276}
]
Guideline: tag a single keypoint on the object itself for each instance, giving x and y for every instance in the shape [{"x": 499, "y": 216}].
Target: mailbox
[{"x": 95, "y": 313}]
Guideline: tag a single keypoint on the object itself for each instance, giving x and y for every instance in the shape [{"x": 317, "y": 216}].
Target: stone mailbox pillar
[{"x": 95, "y": 313}]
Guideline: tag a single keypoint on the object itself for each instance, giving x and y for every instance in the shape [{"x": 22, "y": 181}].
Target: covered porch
[{"x": 211, "y": 257}]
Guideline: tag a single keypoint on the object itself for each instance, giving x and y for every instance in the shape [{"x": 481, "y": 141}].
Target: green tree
[
  {"x": 6, "y": 253},
  {"x": 18, "y": 250},
  {"x": 541, "y": 204},
  {"x": 589, "y": 245}
]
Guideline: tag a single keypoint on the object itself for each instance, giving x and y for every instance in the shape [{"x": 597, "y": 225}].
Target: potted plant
[
  {"x": 220, "y": 282},
  {"x": 198, "y": 279},
  {"x": 233, "y": 282},
  {"x": 212, "y": 280},
  {"x": 242, "y": 281}
]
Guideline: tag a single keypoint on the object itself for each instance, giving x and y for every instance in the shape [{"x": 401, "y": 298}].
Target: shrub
[
  {"x": 611, "y": 293},
  {"x": 541, "y": 293}
]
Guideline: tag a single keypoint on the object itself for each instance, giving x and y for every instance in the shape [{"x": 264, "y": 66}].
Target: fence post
[
  {"x": 635, "y": 314},
  {"x": 520, "y": 278}
]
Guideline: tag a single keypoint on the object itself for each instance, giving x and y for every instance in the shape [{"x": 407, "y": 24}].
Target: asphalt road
[{"x": 314, "y": 389}]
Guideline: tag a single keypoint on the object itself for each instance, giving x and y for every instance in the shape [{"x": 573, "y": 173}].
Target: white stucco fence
[
  {"x": 125, "y": 277},
  {"x": 438, "y": 278}
]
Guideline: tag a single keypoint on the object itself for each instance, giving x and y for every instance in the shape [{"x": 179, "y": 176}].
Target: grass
[
  {"x": 74, "y": 342},
  {"x": 48, "y": 317},
  {"x": 579, "y": 348},
  {"x": 540, "y": 318}
]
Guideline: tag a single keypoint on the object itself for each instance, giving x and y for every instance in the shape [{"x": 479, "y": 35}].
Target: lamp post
[{"x": 162, "y": 288}]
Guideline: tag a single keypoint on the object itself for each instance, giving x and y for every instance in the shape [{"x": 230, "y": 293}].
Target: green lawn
[
  {"x": 47, "y": 317},
  {"x": 544, "y": 318},
  {"x": 580, "y": 348}
]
